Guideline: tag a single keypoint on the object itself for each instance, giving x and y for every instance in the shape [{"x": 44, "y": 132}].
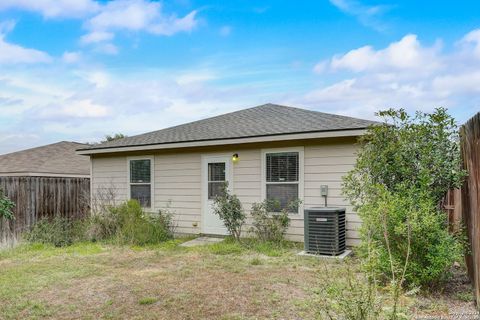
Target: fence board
[
  {"x": 470, "y": 198},
  {"x": 39, "y": 197}
]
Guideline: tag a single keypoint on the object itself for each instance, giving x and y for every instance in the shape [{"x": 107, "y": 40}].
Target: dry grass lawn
[{"x": 219, "y": 281}]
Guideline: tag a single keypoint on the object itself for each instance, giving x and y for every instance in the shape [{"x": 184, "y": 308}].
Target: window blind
[{"x": 282, "y": 167}]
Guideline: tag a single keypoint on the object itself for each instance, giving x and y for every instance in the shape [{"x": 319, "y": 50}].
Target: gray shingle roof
[
  {"x": 58, "y": 158},
  {"x": 264, "y": 120}
]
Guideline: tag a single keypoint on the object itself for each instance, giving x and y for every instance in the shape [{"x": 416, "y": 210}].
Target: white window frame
[
  {"x": 152, "y": 179},
  {"x": 301, "y": 170}
]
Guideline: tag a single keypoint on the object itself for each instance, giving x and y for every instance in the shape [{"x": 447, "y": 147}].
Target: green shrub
[
  {"x": 391, "y": 220},
  {"x": 267, "y": 225},
  {"x": 57, "y": 231},
  {"x": 6, "y": 206},
  {"x": 404, "y": 168},
  {"x": 139, "y": 228},
  {"x": 124, "y": 224},
  {"x": 129, "y": 224},
  {"x": 229, "y": 209},
  {"x": 103, "y": 225}
]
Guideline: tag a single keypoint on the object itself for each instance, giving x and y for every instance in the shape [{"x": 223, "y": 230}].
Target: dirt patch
[
  {"x": 455, "y": 301},
  {"x": 184, "y": 287}
]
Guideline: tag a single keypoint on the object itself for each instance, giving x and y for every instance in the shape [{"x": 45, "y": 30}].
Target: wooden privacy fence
[
  {"x": 470, "y": 197},
  {"x": 39, "y": 197}
]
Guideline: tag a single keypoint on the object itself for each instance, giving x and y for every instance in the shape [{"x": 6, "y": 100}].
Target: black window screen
[
  {"x": 282, "y": 195},
  {"x": 216, "y": 179},
  {"x": 282, "y": 178},
  {"x": 140, "y": 182},
  {"x": 140, "y": 171},
  {"x": 141, "y": 193}
]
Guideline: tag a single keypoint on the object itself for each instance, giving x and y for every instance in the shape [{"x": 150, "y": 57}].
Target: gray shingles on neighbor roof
[
  {"x": 264, "y": 120},
  {"x": 58, "y": 158}
]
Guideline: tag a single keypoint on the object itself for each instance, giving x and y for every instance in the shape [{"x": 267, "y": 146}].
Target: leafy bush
[
  {"x": 6, "y": 206},
  {"x": 269, "y": 226},
  {"x": 136, "y": 227},
  {"x": 229, "y": 209},
  {"x": 57, "y": 231},
  {"x": 102, "y": 225},
  {"x": 404, "y": 168},
  {"x": 129, "y": 224},
  {"x": 409, "y": 236},
  {"x": 125, "y": 224}
]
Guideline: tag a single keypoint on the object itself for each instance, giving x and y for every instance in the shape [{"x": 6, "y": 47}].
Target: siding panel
[{"x": 177, "y": 183}]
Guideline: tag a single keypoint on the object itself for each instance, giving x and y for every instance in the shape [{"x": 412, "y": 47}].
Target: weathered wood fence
[
  {"x": 468, "y": 203},
  {"x": 39, "y": 197}
]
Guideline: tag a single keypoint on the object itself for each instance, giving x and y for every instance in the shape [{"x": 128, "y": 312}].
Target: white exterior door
[{"x": 217, "y": 170}]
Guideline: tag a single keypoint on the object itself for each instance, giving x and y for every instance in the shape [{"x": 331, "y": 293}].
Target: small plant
[
  {"x": 6, "y": 206},
  {"x": 136, "y": 227},
  {"x": 346, "y": 293},
  {"x": 256, "y": 261},
  {"x": 57, "y": 231},
  {"x": 229, "y": 208},
  {"x": 268, "y": 225},
  {"x": 147, "y": 300}
]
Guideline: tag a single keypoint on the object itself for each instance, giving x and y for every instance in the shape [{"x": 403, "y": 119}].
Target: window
[
  {"x": 141, "y": 182},
  {"x": 282, "y": 178},
  {"x": 216, "y": 179}
]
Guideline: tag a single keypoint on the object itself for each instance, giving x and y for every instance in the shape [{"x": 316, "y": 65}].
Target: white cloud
[
  {"x": 404, "y": 54},
  {"x": 106, "y": 48},
  {"x": 59, "y": 104},
  {"x": 54, "y": 8},
  {"x": 366, "y": 15},
  {"x": 71, "y": 56},
  {"x": 96, "y": 36},
  {"x": 472, "y": 39},
  {"x": 405, "y": 73},
  {"x": 137, "y": 15},
  {"x": 15, "y": 54},
  {"x": 72, "y": 109}
]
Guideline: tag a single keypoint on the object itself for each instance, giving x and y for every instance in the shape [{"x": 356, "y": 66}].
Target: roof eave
[
  {"x": 43, "y": 174},
  {"x": 229, "y": 141}
]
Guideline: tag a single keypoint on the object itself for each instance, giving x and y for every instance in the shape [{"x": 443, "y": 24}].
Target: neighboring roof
[
  {"x": 57, "y": 159},
  {"x": 262, "y": 121}
]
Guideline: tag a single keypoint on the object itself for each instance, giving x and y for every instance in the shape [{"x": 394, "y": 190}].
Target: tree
[
  {"x": 404, "y": 168},
  {"x": 116, "y": 136}
]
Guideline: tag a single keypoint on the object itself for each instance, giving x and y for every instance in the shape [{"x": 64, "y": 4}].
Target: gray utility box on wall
[{"x": 325, "y": 231}]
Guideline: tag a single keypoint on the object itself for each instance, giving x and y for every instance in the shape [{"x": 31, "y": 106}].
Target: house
[
  {"x": 44, "y": 181},
  {"x": 53, "y": 160},
  {"x": 269, "y": 151}
]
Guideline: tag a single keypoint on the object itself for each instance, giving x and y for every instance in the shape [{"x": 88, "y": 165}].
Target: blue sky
[{"x": 80, "y": 69}]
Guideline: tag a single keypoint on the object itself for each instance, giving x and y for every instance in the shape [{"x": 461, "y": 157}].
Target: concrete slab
[
  {"x": 201, "y": 241},
  {"x": 319, "y": 256}
]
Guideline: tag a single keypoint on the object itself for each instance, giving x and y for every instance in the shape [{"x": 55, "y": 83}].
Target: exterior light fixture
[{"x": 235, "y": 157}]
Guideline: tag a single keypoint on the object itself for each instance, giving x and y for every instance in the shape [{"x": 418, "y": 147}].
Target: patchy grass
[
  {"x": 147, "y": 300},
  {"x": 219, "y": 281}
]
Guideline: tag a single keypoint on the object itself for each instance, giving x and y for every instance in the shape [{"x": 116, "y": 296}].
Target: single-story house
[
  {"x": 43, "y": 182},
  {"x": 265, "y": 152},
  {"x": 52, "y": 160}
]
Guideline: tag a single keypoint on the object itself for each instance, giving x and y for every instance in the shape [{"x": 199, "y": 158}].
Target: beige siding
[
  {"x": 178, "y": 185},
  {"x": 109, "y": 177},
  {"x": 178, "y": 188},
  {"x": 327, "y": 164}
]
